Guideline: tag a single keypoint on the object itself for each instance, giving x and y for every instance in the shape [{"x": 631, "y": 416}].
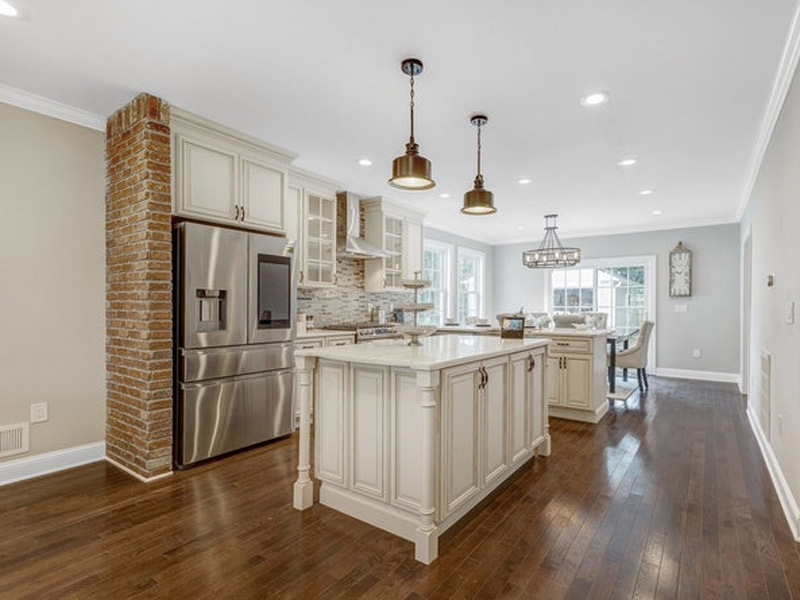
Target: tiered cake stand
[{"x": 414, "y": 331}]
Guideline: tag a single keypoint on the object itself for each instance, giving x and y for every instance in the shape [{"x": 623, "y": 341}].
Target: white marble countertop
[
  {"x": 436, "y": 352},
  {"x": 469, "y": 329},
  {"x": 322, "y": 333}
]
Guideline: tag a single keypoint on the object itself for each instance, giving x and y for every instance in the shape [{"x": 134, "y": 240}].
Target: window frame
[
  {"x": 462, "y": 252},
  {"x": 648, "y": 261},
  {"x": 447, "y": 251}
]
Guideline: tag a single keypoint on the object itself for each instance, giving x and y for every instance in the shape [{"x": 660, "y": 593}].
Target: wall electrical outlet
[
  {"x": 696, "y": 353},
  {"x": 681, "y": 308},
  {"x": 39, "y": 412}
]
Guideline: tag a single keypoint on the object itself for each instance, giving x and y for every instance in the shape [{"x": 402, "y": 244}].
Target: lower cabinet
[
  {"x": 569, "y": 381},
  {"x": 492, "y": 415}
]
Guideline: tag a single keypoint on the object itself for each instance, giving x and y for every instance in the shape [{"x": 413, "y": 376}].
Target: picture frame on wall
[{"x": 680, "y": 271}]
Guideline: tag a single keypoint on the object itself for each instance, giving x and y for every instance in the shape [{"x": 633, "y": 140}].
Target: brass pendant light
[
  {"x": 478, "y": 201},
  {"x": 411, "y": 171}
]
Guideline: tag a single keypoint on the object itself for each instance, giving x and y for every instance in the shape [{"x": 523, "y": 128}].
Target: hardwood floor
[{"x": 666, "y": 497}]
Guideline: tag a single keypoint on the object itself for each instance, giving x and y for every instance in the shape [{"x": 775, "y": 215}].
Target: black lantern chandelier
[
  {"x": 411, "y": 171},
  {"x": 478, "y": 201},
  {"x": 551, "y": 252}
]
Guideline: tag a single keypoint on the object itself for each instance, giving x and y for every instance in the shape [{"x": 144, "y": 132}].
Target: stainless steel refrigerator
[{"x": 235, "y": 324}]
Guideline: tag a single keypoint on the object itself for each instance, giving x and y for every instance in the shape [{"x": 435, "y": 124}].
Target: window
[
  {"x": 436, "y": 269},
  {"x": 622, "y": 288},
  {"x": 471, "y": 264}
]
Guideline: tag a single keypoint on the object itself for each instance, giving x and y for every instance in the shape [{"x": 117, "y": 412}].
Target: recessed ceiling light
[
  {"x": 7, "y": 10},
  {"x": 595, "y": 99},
  {"x": 523, "y": 180},
  {"x": 365, "y": 162},
  {"x": 657, "y": 212},
  {"x": 444, "y": 195},
  {"x": 627, "y": 162},
  {"x": 646, "y": 192},
  {"x": 521, "y": 227}
]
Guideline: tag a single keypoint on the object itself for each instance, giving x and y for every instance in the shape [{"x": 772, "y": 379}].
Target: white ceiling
[{"x": 689, "y": 83}]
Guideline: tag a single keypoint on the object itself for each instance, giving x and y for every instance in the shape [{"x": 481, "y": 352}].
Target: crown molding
[
  {"x": 51, "y": 108},
  {"x": 571, "y": 235},
  {"x": 780, "y": 89}
]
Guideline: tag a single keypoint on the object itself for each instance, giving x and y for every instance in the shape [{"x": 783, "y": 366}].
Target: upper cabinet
[
  {"x": 312, "y": 202},
  {"x": 398, "y": 231},
  {"x": 225, "y": 176}
]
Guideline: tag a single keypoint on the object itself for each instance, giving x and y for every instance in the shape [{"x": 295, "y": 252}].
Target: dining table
[{"x": 615, "y": 337}]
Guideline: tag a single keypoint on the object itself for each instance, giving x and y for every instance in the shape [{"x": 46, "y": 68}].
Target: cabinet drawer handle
[
  {"x": 301, "y": 276},
  {"x": 531, "y": 363},
  {"x": 562, "y": 343},
  {"x": 236, "y": 218},
  {"x": 242, "y": 213}
]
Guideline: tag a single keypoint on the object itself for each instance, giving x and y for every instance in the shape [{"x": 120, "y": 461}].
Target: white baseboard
[
  {"x": 698, "y": 375},
  {"x": 50, "y": 462},
  {"x": 785, "y": 495},
  {"x": 133, "y": 473}
]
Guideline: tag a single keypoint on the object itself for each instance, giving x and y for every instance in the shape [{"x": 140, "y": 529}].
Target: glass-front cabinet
[
  {"x": 398, "y": 231},
  {"x": 311, "y": 219}
]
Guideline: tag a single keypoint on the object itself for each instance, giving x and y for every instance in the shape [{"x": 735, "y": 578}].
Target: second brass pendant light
[{"x": 478, "y": 201}]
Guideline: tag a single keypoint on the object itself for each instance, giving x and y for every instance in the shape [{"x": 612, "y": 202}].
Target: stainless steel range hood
[{"x": 349, "y": 243}]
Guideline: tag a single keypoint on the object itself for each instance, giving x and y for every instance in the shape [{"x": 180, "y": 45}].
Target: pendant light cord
[
  {"x": 479, "y": 150},
  {"x": 412, "y": 106}
]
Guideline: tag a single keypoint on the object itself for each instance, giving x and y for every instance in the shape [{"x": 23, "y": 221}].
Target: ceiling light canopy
[
  {"x": 478, "y": 201},
  {"x": 411, "y": 171},
  {"x": 595, "y": 99},
  {"x": 7, "y": 9},
  {"x": 551, "y": 252}
]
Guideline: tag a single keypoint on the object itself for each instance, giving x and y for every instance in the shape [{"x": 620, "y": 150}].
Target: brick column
[{"x": 139, "y": 289}]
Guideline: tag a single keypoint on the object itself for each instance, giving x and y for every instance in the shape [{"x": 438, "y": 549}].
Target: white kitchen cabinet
[
  {"x": 225, "y": 176},
  {"x": 576, "y": 368},
  {"x": 313, "y": 200},
  {"x": 398, "y": 231},
  {"x": 494, "y": 420},
  {"x": 527, "y": 428}
]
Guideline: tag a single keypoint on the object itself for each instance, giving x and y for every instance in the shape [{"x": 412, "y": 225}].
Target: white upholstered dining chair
[{"x": 635, "y": 357}]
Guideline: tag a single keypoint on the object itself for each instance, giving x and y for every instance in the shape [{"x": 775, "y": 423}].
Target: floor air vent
[
  {"x": 765, "y": 394},
  {"x": 14, "y": 438}
]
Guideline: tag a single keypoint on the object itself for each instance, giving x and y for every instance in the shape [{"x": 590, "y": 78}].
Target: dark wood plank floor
[{"x": 667, "y": 497}]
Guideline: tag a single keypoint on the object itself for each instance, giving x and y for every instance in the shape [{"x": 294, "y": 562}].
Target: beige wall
[
  {"x": 772, "y": 219},
  {"x": 52, "y": 278}
]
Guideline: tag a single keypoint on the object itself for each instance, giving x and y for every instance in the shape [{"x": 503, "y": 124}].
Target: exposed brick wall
[{"x": 139, "y": 288}]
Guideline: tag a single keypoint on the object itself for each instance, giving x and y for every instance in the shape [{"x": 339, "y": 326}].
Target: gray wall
[
  {"x": 772, "y": 218},
  {"x": 712, "y": 321},
  {"x": 52, "y": 269}
]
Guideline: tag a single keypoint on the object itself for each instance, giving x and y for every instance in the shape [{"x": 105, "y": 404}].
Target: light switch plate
[
  {"x": 790, "y": 313},
  {"x": 681, "y": 308},
  {"x": 39, "y": 412}
]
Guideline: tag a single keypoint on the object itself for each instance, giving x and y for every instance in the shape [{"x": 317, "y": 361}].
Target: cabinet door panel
[
  {"x": 494, "y": 439},
  {"x": 554, "y": 377},
  {"x": 406, "y": 441},
  {"x": 329, "y": 433},
  {"x": 207, "y": 180},
  {"x": 518, "y": 409},
  {"x": 412, "y": 252},
  {"x": 262, "y": 194},
  {"x": 460, "y": 437},
  {"x": 369, "y": 394},
  {"x": 577, "y": 381}
]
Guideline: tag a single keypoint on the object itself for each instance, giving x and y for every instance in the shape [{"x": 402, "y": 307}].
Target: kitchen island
[{"x": 410, "y": 439}]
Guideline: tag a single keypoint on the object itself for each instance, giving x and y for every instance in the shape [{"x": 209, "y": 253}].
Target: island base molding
[
  {"x": 574, "y": 414},
  {"x": 406, "y": 525}
]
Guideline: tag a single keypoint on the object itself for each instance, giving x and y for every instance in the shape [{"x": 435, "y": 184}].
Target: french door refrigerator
[{"x": 235, "y": 324}]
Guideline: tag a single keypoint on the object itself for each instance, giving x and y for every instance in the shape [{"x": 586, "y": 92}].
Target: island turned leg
[
  {"x": 427, "y": 536},
  {"x": 304, "y": 487}
]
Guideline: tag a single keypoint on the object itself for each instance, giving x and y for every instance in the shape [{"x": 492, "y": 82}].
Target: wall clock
[{"x": 680, "y": 271}]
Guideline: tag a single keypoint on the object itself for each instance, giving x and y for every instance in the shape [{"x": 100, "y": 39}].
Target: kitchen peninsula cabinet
[
  {"x": 398, "y": 231},
  {"x": 227, "y": 177},
  {"x": 410, "y": 439}
]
